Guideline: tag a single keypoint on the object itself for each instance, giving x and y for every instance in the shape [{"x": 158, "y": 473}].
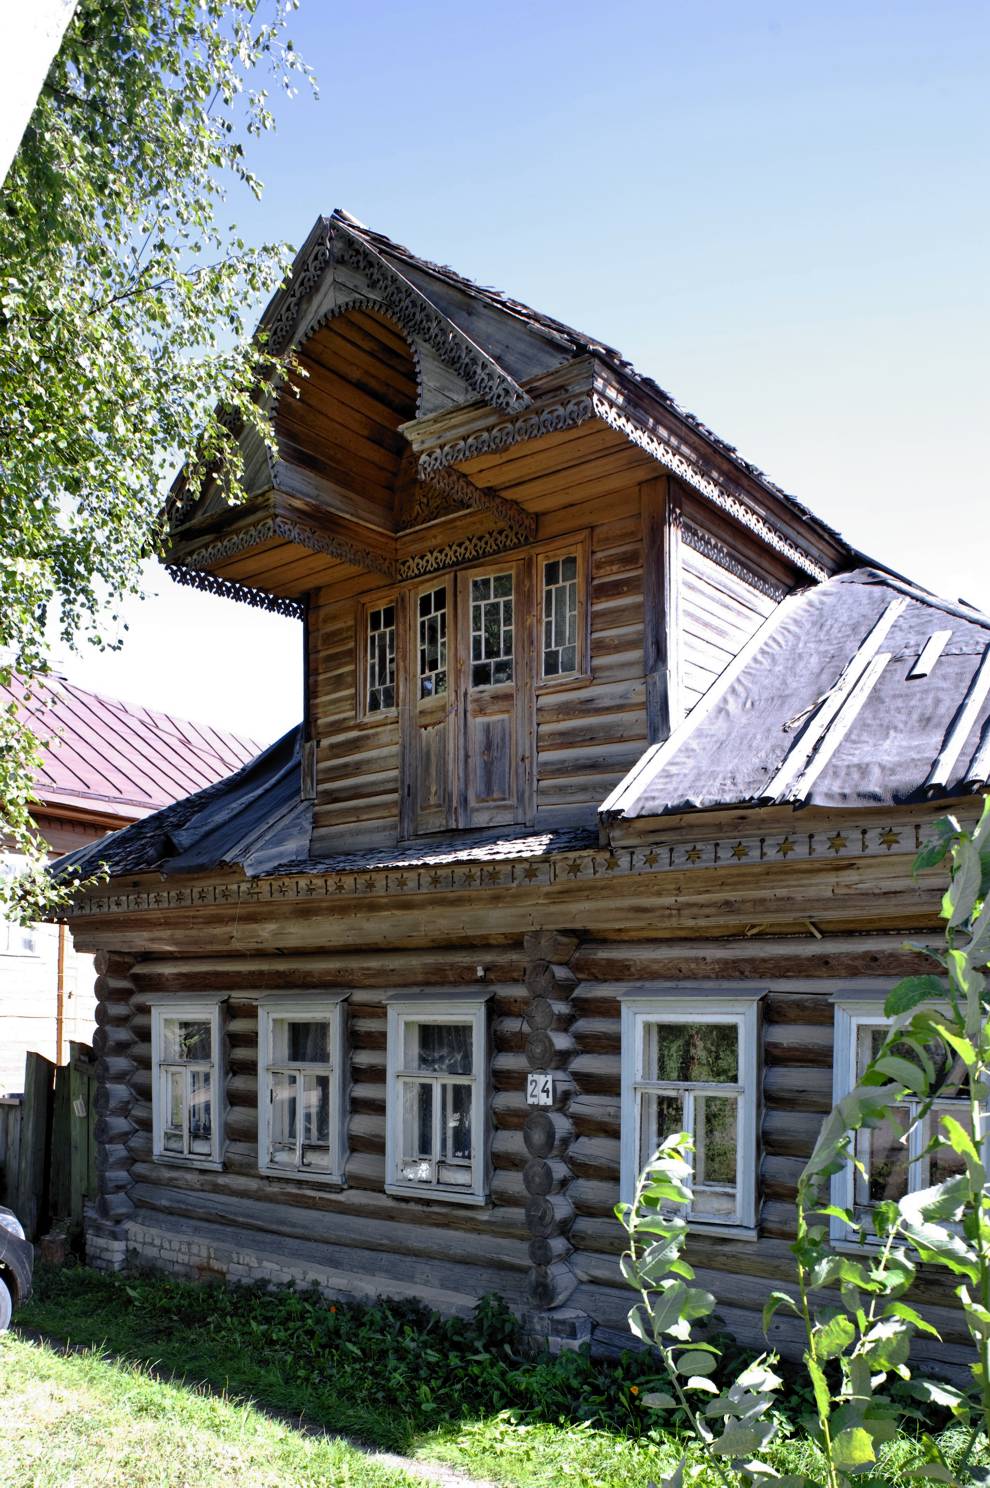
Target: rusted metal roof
[
  {"x": 862, "y": 691},
  {"x": 116, "y": 758}
]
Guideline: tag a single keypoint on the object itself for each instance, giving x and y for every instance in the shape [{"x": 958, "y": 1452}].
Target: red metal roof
[{"x": 117, "y": 758}]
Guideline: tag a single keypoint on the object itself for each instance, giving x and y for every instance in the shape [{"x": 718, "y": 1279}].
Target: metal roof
[
  {"x": 861, "y": 691},
  {"x": 116, "y": 758}
]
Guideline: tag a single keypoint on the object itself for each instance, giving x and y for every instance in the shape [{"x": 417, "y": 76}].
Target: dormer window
[
  {"x": 491, "y": 629},
  {"x": 381, "y": 658},
  {"x": 432, "y": 622}
]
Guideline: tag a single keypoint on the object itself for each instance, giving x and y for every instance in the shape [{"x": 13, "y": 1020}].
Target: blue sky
[{"x": 781, "y": 213}]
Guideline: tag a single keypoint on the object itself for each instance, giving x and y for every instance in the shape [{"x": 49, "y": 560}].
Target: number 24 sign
[{"x": 539, "y": 1089}]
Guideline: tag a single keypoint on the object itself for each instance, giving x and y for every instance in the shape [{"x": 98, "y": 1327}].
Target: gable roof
[
  {"x": 862, "y": 691},
  {"x": 118, "y": 759}
]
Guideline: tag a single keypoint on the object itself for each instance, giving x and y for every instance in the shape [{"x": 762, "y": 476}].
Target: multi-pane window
[
  {"x": 381, "y": 658},
  {"x": 432, "y": 622},
  {"x": 187, "y": 1099},
  {"x": 491, "y": 629},
  {"x": 436, "y": 1097},
  {"x": 560, "y": 615},
  {"x": 690, "y": 1065},
  {"x": 300, "y": 1068},
  {"x": 891, "y": 1159}
]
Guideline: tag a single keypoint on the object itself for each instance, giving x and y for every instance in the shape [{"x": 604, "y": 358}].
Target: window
[
  {"x": 187, "y": 1094},
  {"x": 432, "y": 636},
  {"x": 380, "y": 645},
  {"x": 301, "y": 1084},
  {"x": 491, "y": 629},
  {"x": 891, "y": 1156},
  {"x": 436, "y": 1096},
  {"x": 690, "y": 1062},
  {"x": 17, "y": 940},
  {"x": 560, "y": 615}
]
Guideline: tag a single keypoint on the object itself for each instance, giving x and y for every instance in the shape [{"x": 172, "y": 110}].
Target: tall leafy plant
[{"x": 849, "y": 1304}]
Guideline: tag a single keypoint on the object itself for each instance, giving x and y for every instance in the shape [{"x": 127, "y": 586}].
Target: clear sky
[{"x": 779, "y": 212}]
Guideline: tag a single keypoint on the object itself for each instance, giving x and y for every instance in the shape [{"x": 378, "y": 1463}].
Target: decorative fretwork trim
[
  {"x": 465, "y": 550},
  {"x": 400, "y": 300},
  {"x": 651, "y": 438},
  {"x": 709, "y": 547},
  {"x": 297, "y": 532},
  {"x": 847, "y": 843},
  {"x": 552, "y": 420},
  {"x": 195, "y": 578},
  {"x": 457, "y": 487}
]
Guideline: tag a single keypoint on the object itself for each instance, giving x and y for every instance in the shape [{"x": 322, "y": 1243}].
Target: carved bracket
[{"x": 453, "y": 485}]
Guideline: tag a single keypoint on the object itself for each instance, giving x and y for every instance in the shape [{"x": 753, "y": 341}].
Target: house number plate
[{"x": 539, "y": 1089}]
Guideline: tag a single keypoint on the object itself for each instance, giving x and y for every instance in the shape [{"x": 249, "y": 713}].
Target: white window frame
[
  {"x": 200, "y": 1009},
  {"x": 16, "y": 939},
  {"x": 465, "y": 1006},
  {"x": 575, "y": 546},
  {"x": 684, "y": 1003},
  {"x": 315, "y": 1007},
  {"x": 853, "y": 1012}
]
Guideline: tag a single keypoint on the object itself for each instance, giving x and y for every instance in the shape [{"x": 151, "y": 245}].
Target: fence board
[{"x": 31, "y": 1206}]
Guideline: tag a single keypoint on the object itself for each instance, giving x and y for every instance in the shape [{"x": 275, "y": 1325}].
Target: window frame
[
  {"x": 683, "y": 1003},
  {"x": 449, "y": 643},
  {"x": 855, "y": 1010},
  {"x": 576, "y": 545},
  {"x": 367, "y": 603},
  {"x": 327, "y": 1007},
  {"x": 200, "y": 1009},
  {"x": 466, "y": 1006}
]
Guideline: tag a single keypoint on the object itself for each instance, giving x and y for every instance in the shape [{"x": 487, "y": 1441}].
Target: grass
[
  {"x": 68, "y": 1421},
  {"x": 395, "y": 1376}
]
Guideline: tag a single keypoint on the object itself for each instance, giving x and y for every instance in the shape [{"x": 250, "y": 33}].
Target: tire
[{"x": 6, "y": 1306}]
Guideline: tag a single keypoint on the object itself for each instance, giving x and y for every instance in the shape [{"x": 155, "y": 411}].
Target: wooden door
[
  {"x": 494, "y": 750},
  {"x": 428, "y": 753}
]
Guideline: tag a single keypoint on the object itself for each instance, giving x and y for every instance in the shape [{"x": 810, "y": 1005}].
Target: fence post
[
  {"x": 32, "y": 1169},
  {"x": 82, "y": 1131}
]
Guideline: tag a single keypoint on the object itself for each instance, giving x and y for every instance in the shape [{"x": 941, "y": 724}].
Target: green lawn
[
  {"x": 392, "y": 1376},
  {"x": 81, "y": 1421}
]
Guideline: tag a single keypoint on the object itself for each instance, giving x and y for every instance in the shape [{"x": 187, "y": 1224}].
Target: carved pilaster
[{"x": 548, "y": 1131}]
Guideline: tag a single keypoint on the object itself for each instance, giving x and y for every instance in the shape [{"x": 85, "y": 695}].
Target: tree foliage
[
  {"x": 849, "y": 1302},
  {"x": 126, "y": 310}
]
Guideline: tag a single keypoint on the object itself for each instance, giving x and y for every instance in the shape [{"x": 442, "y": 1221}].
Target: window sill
[
  {"x": 434, "y": 1195},
  {"x": 211, "y": 1164},
  {"x": 702, "y": 1227},
  {"x": 373, "y": 720},
  {"x": 571, "y": 683},
  {"x": 305, "y": 1175}
]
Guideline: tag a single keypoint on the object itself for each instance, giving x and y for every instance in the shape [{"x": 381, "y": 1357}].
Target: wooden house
[
  {"x": 600, "y": 821},
  {"x": 102, "y": 764}
]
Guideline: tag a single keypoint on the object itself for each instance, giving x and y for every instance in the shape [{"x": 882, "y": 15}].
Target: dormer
[{"x": 518, "y": 562}]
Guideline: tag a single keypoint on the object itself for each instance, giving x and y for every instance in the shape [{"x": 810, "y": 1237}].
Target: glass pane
[
  {"x": 440, "y": 1048},
  {"x": 185, "y": 1038},
  {"x": 715, "y": 1156},
  {"x": 175, "y": 1085},
  {"x": 663, "y": 1115},
  {"x": 316, "y": 1121},
  {"x": 455, "y": 1121},
  {"x": 944, "y": 1163},
  {"x": 883, "y": 1152},
  {"x": 284, "y": 1108},
  {"x": 685, "y": 1053},
  {"x": 502, "y": 586},
  {"x": 200, "y": 1112},
  {"x": 560, "y": 616},
  {"x": 433, "y": 643},
  {"x": 300, "y": 1041},
  {"x": 416, "y": 1165},
  {"x": 568, "y": 571}
]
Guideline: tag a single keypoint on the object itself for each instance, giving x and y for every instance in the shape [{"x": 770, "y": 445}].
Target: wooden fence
[{"x": 48, "y": 1142}]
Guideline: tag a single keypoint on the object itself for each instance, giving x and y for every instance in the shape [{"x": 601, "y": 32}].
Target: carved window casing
[
  {"x": 187, "y": 1082},
  {"x": 891, "y": 1159},
  {"x": 302, "y": 1087},
  {"x": 690, "y": 1062},
  {"x": 437, "y": 1096}
]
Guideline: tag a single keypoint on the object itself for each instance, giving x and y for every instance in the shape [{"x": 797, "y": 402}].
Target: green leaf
[
  {"x": 963, "y": 892},
  {"x": 698, "y": 1382},
  {"x": 911, "y": 991},
  {"x": 696, "y": 1362},
  {"x": 903, "y": 1071},
  {"x": 853, "y": 1449},
  {"x": 834, "y": 1336},
  {"x": 658, "y": 1400},
  {"x": 770, "y": 1306},
  {"x": 909, "y": 1315}
]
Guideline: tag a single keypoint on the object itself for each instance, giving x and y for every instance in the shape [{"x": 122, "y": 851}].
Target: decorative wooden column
[{"x": 548, "y": 1133}]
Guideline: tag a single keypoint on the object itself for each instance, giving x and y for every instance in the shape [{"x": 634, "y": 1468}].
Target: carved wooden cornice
[
  {"x": 209, "y": 583},
  {"x": 709, "y": 547},
  {"x": 465, "y": 550},
  {"x": 551, "y": 420},
  {"x": 455, "y": 486},
  {"x": 224, "y": 548},
  {"x": 849, "y": 842},
  {"x": 399, "y": 299}
]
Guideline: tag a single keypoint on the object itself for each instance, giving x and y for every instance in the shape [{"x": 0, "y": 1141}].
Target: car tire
[{"x": 6, "y": 1306}]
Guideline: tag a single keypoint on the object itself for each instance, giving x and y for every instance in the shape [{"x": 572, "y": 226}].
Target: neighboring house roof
[
  {"x": 862, "y": 691},
  {"x": 117, "y": 759}
]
